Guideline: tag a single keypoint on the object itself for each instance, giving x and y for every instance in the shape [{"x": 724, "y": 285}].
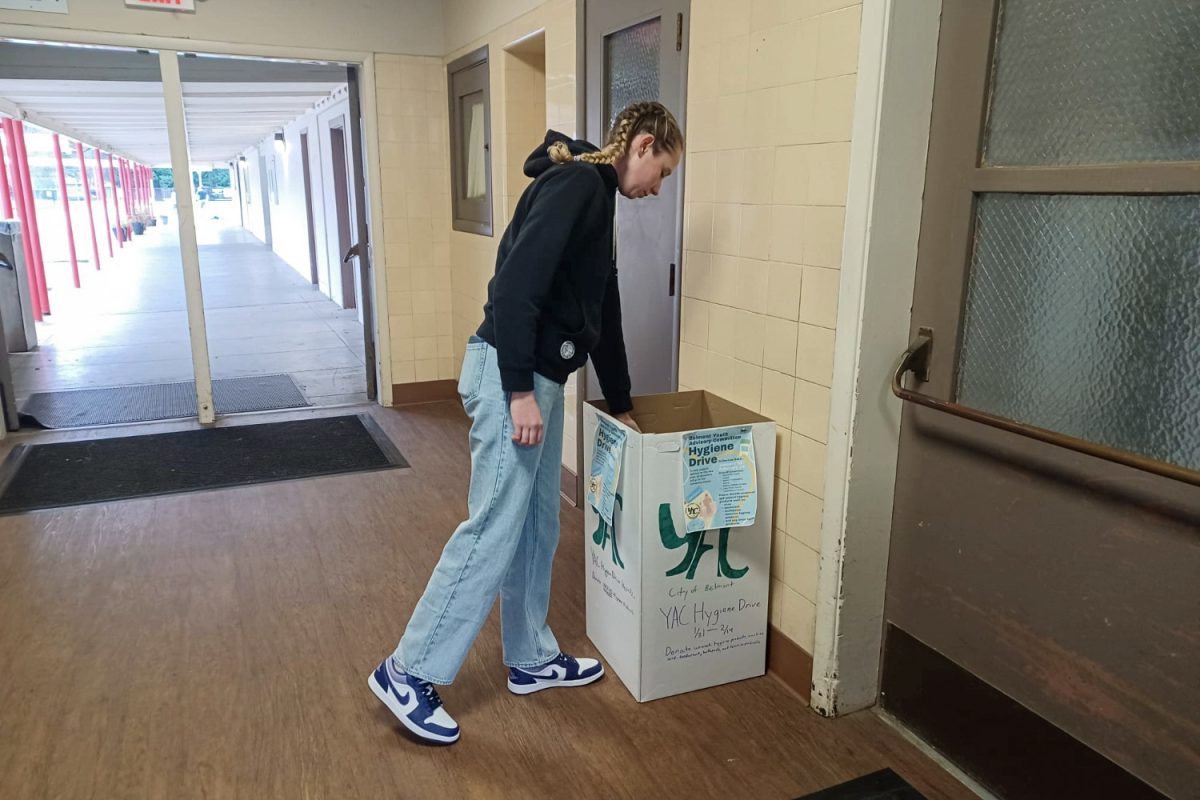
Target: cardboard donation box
[{"x": 678, "y": 541}]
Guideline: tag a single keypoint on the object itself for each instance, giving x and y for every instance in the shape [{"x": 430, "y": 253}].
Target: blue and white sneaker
[
  {"x": 414, "y": 702},
  {"x": 562, "y": 671}
]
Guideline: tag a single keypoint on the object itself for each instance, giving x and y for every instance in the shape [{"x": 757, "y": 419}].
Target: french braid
[{"x": 636, "y": 118}]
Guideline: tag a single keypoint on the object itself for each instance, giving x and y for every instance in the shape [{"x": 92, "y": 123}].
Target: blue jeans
[{"x": 507, "y": 545}]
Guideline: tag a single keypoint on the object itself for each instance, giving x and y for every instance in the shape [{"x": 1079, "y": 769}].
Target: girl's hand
[
  {"x": 626, "y": 420},
  {"x": 528, "y": 430}
]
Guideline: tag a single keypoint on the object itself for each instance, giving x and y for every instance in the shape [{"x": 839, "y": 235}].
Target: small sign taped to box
[
  {"x": 720, "y": 483},
  {"x": 606, "y": 469}
]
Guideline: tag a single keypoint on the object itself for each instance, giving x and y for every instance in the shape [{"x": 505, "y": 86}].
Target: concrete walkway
[{"x": 128, "y": 323}]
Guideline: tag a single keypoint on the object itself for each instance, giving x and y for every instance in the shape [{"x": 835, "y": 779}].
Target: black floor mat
[
  {"x": 882, "y": 785},
  {"x": 120, "y": 405},
  {"x": 98, "y": 470}
]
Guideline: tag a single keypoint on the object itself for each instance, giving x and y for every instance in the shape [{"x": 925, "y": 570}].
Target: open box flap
[{"x": 679, "y": 412}]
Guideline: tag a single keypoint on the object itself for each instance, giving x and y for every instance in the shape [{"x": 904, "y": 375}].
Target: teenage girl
[{"x": 552, "y": 303}]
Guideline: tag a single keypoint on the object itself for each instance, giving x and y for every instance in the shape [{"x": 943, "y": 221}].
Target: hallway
[
  {"x": 217, "y": 644},
  {"x": 128, "y": 324}
]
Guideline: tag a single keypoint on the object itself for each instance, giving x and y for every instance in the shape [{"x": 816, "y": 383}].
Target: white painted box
[{"x": 661, "y": 631}]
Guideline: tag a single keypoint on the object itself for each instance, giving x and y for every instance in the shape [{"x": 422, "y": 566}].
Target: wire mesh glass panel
[
  {"x": 631, "y": 67},
  {"x": 475, "y": 155},
  {"x": 1095, "y": 82},
  {"x": 1083, "y": 317}
]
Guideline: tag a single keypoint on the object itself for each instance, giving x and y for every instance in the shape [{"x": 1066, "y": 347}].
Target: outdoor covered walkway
[{"x": 127, "y": 324}]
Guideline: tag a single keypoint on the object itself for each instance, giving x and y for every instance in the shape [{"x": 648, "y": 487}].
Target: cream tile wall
[
  {"x": 414, "y": 166},
  {"x": 524, "y": 115},
  {"x": 473, "y": 257},
  {"x": 770, "y": 102}
]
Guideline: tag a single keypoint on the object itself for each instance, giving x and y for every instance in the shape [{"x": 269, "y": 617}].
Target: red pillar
[
  {"x": 22, "y": 215},
  {"x": 5, "y": 196},
  {"x": 124, "y": 188},
  {"x": 31, "y": 208},
  {"x": 127, "y": 185},
  {"x": 104, "y": 202},
  {"x": 66, "y": 203},
  {"x": 87, "y": 194},
  {"x": 112, "y": 176}
]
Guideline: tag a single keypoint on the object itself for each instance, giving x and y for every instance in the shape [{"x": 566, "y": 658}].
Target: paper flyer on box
[
  {"x": 606, "y": 468},
  {"x": 720, "y": 484}
]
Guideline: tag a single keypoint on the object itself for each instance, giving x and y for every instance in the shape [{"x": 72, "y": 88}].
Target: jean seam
[
  {"x": 539, "y": 543},
  {"x": 535, "y": 512},
  {"x": 474, "y": 544}
]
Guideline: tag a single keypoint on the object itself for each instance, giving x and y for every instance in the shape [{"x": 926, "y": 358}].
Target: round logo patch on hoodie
[{"x": 567, "y": 351}]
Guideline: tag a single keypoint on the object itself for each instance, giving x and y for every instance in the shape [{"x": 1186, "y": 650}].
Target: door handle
[
  {"x": 671, "y": 282},
  {"x": 916, "y": 360},
  {"x": 351, "y": 253}
]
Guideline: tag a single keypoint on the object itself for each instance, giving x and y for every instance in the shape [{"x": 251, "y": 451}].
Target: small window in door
[
  {"x": 470, "y": 143},
  {"x": 631, "y": 67}
]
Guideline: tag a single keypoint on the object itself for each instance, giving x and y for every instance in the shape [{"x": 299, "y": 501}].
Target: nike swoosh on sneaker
[
  {"x": 406, "y": 696},
  {"x": 555, "y": 673}
]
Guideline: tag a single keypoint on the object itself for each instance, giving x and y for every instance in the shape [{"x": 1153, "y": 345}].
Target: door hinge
[
  {"x": 679, "y": 32},
  {"x": 671, "y": 282}
]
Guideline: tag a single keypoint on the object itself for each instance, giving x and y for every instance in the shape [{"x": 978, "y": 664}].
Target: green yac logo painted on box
[
  {"x": 604, "y": 534},
  {"x": 696, "y": 548}
]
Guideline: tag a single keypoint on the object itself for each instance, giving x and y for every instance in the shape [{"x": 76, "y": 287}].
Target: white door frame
[
  {"x": 173, "y": 94},
  {"x": 894, "y": 99},
  {"x": 189, "y": 250}
]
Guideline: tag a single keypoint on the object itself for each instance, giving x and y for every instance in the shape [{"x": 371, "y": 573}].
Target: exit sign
[{"x": 163, "y": 5}]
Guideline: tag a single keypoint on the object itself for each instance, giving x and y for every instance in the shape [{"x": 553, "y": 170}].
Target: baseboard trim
[
  {"x": 569, "y": 485},
  {"x": 1000, "y": 743},
  {"x": 789, "y": 662},
  {"x": 411, "y": 394}
]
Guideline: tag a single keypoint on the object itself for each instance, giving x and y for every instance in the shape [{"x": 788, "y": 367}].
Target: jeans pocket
[{"x": 471, "y": 377}]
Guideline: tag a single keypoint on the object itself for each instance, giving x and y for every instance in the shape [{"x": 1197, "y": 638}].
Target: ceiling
[
  {"x": 223, "y": 119},
  {"x": 113, "y": 99}
]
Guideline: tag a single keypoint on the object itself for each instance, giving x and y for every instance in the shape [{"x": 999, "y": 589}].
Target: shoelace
[{"x": 431, "y": 696}]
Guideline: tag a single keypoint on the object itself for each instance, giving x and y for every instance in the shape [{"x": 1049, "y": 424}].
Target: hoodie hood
[{"x": 539, "y": 160}]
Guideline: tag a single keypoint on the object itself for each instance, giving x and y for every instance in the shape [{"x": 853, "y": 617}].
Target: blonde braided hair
[{"x": 636, "y": 118}]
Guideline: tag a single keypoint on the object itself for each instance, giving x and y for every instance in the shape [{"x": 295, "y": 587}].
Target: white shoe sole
[
  {"x": 389, "y": 700},
  {"x": 517, "y": 688}
]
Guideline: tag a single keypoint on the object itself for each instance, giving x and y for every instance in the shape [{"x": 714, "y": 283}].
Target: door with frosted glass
[
  {"x": 638, "y": 51},
  {"x": 1059, "y": 279}
]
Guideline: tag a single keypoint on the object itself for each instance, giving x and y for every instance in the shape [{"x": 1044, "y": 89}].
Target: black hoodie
[{"x": 554, "y": 300}]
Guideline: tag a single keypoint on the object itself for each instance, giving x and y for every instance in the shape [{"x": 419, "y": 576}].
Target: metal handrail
[{"x": 916, "y": 359}]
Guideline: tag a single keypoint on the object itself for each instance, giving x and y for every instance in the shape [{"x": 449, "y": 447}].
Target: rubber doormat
[
  {"x": 882, "y": 785},
  {"x": 101, "y": 470},
  {"x": 143, "y": 403}
]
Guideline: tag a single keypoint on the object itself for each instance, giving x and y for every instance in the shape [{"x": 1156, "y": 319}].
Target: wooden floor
[
  {"x": 127, "y": 324},
  {"x": 217, "y": 645}
]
